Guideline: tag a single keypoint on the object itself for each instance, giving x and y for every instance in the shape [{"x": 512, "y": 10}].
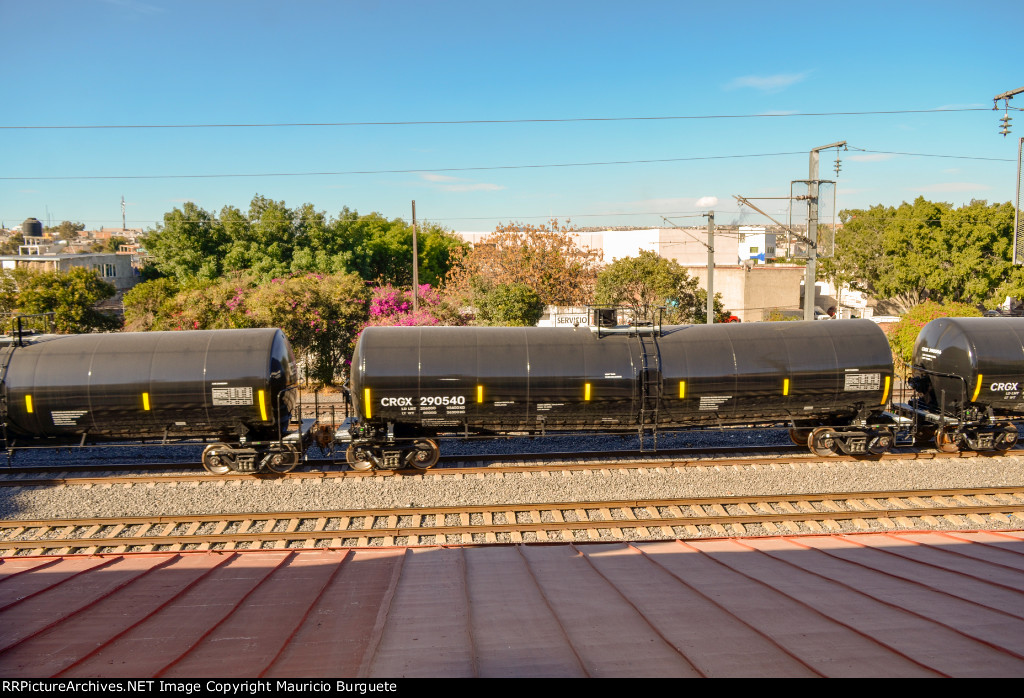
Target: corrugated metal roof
[{"x": 899, "y": 604}]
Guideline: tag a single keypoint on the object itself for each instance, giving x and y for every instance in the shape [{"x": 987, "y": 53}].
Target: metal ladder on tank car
[{"x": 650, "y": 381}]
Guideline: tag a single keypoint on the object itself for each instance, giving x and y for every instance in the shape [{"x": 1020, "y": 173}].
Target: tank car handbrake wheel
[
  {"x": 216, "y": 460},
  {"x": 424, "y": 454}
]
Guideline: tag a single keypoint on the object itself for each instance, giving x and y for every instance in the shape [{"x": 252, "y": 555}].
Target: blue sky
[{"x": 198, "y": 62}]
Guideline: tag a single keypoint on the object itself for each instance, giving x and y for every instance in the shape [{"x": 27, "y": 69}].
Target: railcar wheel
[
  {"x": 284, "y": 461},
  {"x": 879, "y": 442},
  {"x": 425, "y": 453},
  {"x": 800, "y": 436},
  {"x": 945, "y": 441},
  {"x": 1007, "y": 439},
  {"x": 216, "y": 460},
  {"x": 358, "y": 458},
  {"x": 821, "y": 444}
]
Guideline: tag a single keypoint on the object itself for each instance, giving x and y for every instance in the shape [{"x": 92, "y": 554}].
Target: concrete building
[
  {"x": 755, "y": 243},
  {"x": 115, "y": 269},
  {"x": 752, "y": 291}
]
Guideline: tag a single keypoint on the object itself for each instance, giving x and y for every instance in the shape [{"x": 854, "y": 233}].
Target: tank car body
[
  {"x": 234, "y": 386},
  {"x": 413, "y": 383},
  {"x": 968, "y": 375}
]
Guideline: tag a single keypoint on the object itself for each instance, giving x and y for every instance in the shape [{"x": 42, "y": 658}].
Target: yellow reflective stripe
[
  {"x": 586, "y": 391},
  {"x": 977, "y": 389},
  {"x": 885, "y": 393},
  {"x": 366, "y": 402},
  {"x": 28, "y": 404},
  {"x": 479, "y": 393},
  {"x": 682, "y": 389},
  {"x": 145, "y": 401},
  {"x": 263, "y": 406},
  {"x": 785, "y": 386}
]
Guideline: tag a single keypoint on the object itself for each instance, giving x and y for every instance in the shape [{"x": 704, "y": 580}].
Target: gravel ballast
[{"x": 416, "y": 490}]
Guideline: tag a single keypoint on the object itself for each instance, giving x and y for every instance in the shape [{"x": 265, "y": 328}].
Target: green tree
[
  {"x": 907, "y": 254},
  {"x": 320, "y": 315},
  {"x": 272, "y": 240},
  {"x": 147, "y": 302},
  {"x": 649, "y": 281},
  {"x": 511, "y": 305},
  {"x": 189, "y": 245},
  {"x": 10, "y": 281},
  {"x": 66, "y": 230},
  {"x": 71, "y": 297}
]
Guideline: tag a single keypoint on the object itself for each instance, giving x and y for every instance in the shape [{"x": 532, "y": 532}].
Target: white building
[
  {"x": 755, "y": 243},
  {"x": 115, "y": 269}
]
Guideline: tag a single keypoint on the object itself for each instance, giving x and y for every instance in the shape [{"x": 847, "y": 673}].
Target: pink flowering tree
[{"x": 390, "y": 306}]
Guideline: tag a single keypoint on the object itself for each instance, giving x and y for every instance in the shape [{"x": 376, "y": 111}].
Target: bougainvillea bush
[{"x": 391, "y": 306}]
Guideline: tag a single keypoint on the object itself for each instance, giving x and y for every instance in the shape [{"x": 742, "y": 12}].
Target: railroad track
[
  {"x": 318, "y": 467},
  {"x": 49, "y": 477},
  {"x": 448, "y": 460},
  {"x": 993, "y": 507}
]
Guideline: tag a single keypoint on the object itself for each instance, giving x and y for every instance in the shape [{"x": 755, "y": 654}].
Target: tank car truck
[
  {"x": 968, "y": 383},
  {"x": 828, "y": 381},
  {"x": 231, "y": 387}
]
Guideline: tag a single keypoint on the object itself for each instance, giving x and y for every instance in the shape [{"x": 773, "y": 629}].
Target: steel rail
[{"x": 898, "y": 507}]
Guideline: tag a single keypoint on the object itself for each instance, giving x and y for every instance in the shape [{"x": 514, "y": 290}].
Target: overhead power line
[
  {"x": 495, "y": 121},
  {"x": 341, "y": 173},
  {"x": 406, "y": 171},
  {"x": 931, "y": 155}
]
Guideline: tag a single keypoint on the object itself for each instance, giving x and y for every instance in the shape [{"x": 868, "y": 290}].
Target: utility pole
[
  {"x": 811, "y": 278},
  {"x": 1018, "y": 234},
  {"x": 415, "y": 263},
  {"x": 1006, "y": 97},
  {"x": 711, "y": 267}
]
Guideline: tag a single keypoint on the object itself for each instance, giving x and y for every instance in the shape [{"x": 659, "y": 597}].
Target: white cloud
[
  {"x": 706, "y": 202},
  {"x": 767, "y": 83},
  {"x": 433, "y": 177},
  {"x": 457, "y": 184}
]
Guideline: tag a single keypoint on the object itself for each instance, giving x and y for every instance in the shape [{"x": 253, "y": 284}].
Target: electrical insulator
[{"x": 1006, "y": 119}]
